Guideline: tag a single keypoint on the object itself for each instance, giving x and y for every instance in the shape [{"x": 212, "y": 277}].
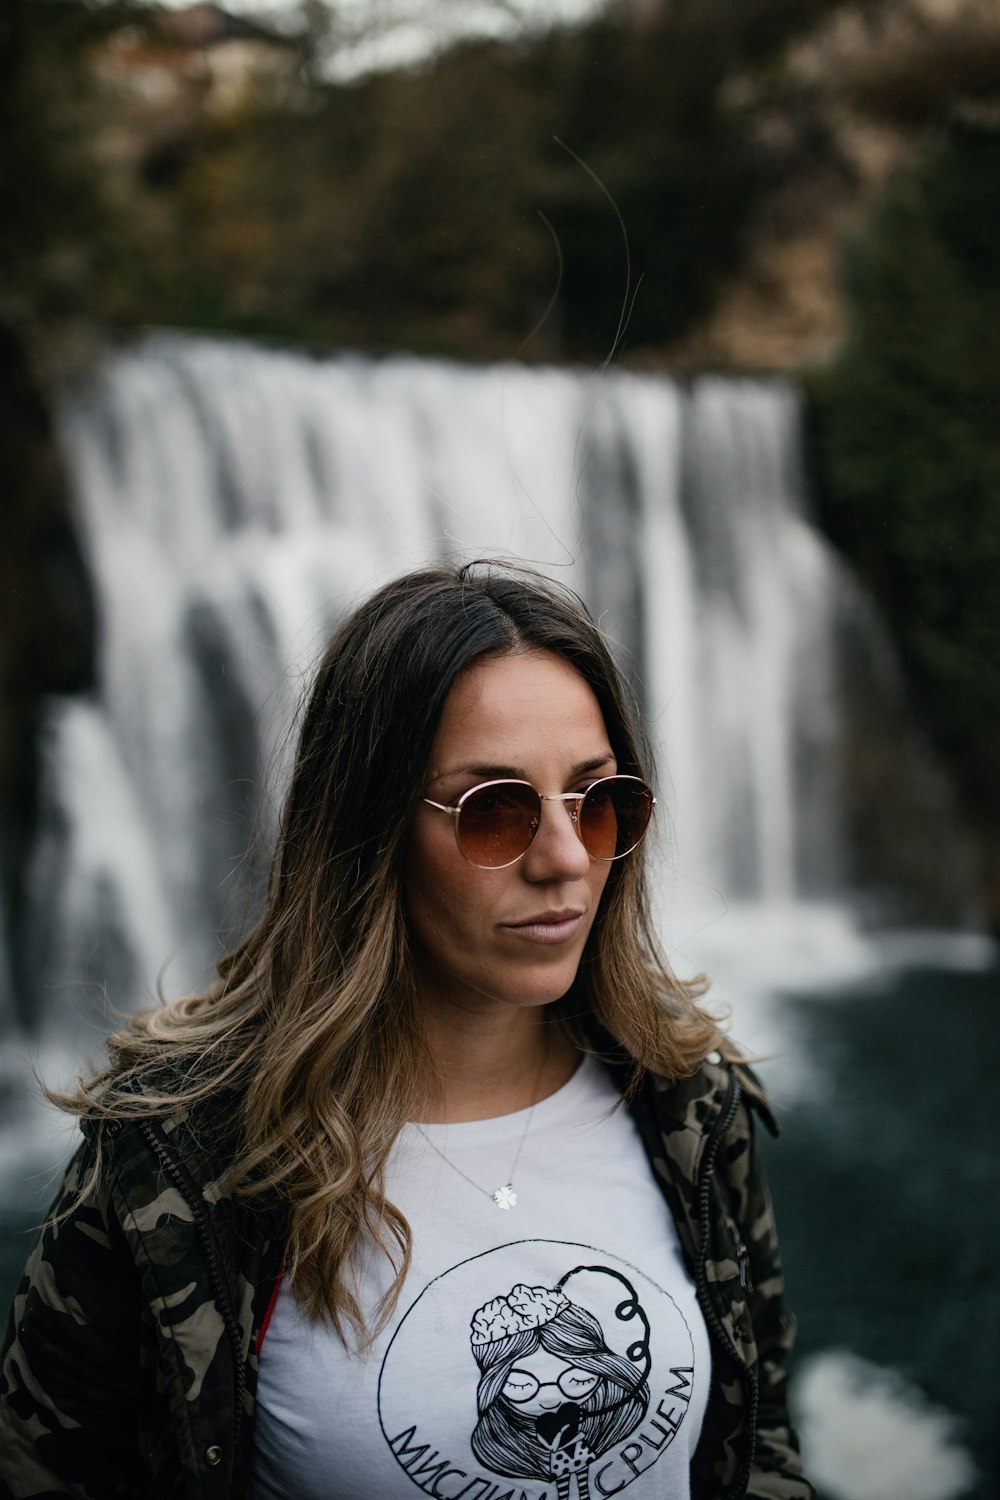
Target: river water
[{"x": 886, "y": 1181}]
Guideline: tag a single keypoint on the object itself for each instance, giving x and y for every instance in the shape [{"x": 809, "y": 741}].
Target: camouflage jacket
[{"x": 130, "y": 1363}]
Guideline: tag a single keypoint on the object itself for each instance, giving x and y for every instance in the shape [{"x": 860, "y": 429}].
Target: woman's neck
[{"x": 494, "y": 1065}]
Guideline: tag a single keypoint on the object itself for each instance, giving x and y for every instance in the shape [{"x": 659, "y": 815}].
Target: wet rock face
[
  {"x": 47, "y": 614},
  {"x": 913, "y": 850}
]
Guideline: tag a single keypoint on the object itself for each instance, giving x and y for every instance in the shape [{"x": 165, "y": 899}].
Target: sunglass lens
[
  {"x": 614, "y": 815},
  {"x": 497, "y": 823}
]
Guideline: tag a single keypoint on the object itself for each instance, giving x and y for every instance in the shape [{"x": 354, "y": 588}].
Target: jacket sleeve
[
  {"x": 69, "y": 1387},
  {"x": 777, "y": 1466}
]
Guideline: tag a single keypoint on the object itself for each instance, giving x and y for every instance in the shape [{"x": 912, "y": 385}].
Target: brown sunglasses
[{"x": 496, "y": 821}]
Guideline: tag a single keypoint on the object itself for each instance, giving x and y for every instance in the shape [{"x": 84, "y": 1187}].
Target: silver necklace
[{"x": 505, "y": 1197}]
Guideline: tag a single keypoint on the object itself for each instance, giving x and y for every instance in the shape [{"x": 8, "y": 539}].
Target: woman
[{"x": 297, "y": 1192}]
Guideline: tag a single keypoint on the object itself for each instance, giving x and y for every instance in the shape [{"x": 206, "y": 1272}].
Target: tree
[{"x": 908, "y": 443}]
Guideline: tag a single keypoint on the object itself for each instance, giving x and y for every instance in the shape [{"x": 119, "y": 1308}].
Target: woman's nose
[{"x": 556, "y": 852}]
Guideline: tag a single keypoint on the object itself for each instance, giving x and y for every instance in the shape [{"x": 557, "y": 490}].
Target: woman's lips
[{"x": 548, "y": 926}]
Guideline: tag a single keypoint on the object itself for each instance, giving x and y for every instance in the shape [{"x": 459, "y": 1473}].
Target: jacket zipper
[
  {"x": 746, "y": 1276},
  {"x": 701, "y": 1283},
  {"x": 177, "y": 1175}
]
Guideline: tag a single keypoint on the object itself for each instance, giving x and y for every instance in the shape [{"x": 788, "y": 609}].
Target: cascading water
[{"x": 233, "y": 502}]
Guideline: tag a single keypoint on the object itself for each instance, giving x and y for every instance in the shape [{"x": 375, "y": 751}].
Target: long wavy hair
[{"x": 313, "y": 1025}]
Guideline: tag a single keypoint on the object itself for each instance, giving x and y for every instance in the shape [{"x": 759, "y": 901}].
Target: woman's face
[{"x": 513, "y": 937}]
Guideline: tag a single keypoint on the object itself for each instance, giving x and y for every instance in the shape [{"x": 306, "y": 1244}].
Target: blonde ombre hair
[{"x": 313, "y": 1026}]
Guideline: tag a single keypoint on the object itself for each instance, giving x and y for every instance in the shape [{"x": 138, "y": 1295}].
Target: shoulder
[
  {"x": 165, "y": 1187},
  {"x": 703, "y": 1125},
  {"x": 161, "y": 1165},
  {"x": 722, "y": 1094}
]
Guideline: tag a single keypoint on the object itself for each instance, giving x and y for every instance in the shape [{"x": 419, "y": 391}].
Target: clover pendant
[{"x": 505, "y": 1197}]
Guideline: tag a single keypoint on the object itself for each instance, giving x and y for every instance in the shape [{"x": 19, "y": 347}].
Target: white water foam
[
  {"x": 767, "y": 960},
  {"x": 868, "y": 1434}
]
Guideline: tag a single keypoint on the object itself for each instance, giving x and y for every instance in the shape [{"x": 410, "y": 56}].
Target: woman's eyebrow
[
  {"x": 592, "y": 765},
  {"x": 518, "y": 773},
  {"x": 487, "y": 772}
]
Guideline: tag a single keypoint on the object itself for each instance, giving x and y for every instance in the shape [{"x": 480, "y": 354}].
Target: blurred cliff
[{"x": 805, "y": 186}]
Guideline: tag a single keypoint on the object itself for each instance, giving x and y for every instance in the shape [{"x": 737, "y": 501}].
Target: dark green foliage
[
  {"x": 55, "y": 229},
  {"x": 908, "y": 441},
  {"x": 51, "y": 229},
  {"x": 407, "y": 209}
]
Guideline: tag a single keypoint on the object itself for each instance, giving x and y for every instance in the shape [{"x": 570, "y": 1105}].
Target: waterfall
[{"x": 234, "y": 502}]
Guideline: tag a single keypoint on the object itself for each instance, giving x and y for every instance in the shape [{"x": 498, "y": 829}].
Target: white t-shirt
[{"x": 532, "y": 1351}]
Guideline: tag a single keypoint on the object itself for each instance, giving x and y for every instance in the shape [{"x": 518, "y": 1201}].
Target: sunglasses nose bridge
[{"x": 571, "y": 802}]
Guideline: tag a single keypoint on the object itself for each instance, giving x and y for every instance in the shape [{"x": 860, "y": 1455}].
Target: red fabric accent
[{"x": 270, "y": 1308}]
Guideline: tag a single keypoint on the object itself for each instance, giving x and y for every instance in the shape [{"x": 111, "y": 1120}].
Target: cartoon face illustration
[
  {"x": 552, "y": 1395},
  {"x": 542, "y": 1382}
]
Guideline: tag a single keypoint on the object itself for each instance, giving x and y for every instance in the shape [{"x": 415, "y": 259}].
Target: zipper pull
[{"x": 743, "y": 1257}]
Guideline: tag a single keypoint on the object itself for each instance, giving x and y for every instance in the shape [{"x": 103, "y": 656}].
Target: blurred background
[{"x": 695, "y": 304}]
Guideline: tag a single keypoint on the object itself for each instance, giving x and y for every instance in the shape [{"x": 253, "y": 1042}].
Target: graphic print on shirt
[
  {"x": 571, "y": 1388},
  {"x": 552, "y": 1395}
]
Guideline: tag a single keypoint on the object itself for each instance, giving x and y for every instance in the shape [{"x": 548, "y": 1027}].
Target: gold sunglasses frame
[{"x": 454, "y": 812}]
